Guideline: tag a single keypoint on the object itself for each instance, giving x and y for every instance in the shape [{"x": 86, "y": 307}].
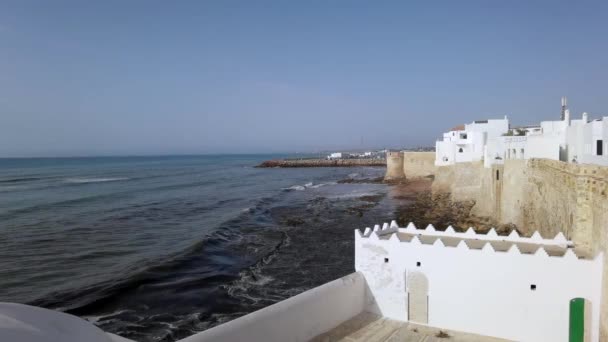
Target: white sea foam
[
  {"x": 95, "y": 319},
  {"x": 4, "y": 188},
  {"x": 322, "y": 184},
  {"x": 79, "y": 180},
  {"x": 353, "y": 195},
  {"x": 309, "y": 185},
  {"x": 295, "y": 187}
]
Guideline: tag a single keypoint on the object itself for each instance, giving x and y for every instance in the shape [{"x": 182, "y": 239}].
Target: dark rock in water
[
  {"x": 361, "y": 181},
  {"x": 294, "y": 222},
  {"x": 425, "y": 208},
  {"x": 372, "y": 198}
]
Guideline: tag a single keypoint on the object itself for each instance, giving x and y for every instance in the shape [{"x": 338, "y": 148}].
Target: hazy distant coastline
[{"x": 293, "y": 163}]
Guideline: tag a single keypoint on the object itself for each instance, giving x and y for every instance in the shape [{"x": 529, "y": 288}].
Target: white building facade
[
  {"x": 510, "y": 287},
  {"x": 469, "y": 143},
  {"x": 493, "y": 141}
]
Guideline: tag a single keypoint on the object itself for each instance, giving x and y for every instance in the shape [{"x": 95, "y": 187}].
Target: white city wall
[
  {"x": 296, "y": 319},
  {"x": 480, "y": 291}
]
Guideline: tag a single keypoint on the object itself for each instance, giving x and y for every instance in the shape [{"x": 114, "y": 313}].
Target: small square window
[
  {"x": 418, "y": 263},
  {"x": 533, "y": 287},
  {"x": 385, "y": 259}
]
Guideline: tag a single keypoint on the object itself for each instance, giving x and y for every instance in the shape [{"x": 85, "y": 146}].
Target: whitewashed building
[
  {"x": 468, "y": 143},
  {"x": 481, "y": 283},
  {"x": 335, "y": 155},
  {"x": 587, "y": 142},
  {"x": 493, "y": 141}
]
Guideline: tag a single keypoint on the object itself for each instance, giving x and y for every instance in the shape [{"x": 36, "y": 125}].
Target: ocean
[{"x": 159, "y": 248}]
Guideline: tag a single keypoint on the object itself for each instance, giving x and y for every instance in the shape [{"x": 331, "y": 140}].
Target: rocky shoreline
[
  {"x": 288, "y": 163},
  {"x": 420, "y": 206}
]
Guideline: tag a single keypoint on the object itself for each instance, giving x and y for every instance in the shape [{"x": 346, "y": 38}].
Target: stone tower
[{"x": 394, "y": 166}]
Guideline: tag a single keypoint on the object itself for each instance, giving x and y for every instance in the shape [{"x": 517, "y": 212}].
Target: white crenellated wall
[{"x": 481, "y": 291}]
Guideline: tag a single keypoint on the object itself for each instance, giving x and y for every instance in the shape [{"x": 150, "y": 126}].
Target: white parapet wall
[
  {"x": 298, "y": 318},
  {"x": 479, "y": 283}
]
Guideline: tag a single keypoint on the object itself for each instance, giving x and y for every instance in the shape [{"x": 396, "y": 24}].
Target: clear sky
[{"x": 161, "y": 77}]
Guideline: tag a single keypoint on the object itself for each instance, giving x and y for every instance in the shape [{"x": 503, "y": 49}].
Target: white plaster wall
[
  {"x": 591, "y": 132},
  {"x": 494, "y": 127},
  {"x": 574, "y": 140},
  {"x": 25, "y": 323},
  {"x": 495, "y": 148},
  {"x": 298, "y": 318},
  {"x": 482, "y": 291},
  {"x": 444, "y": 149},
  {"x": 472, "y": 147},
  {"x": 542, "y": 146},
  {"x": 514, "y": 146}
]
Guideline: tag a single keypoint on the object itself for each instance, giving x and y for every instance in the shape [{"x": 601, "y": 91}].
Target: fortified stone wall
[
  {"x": 539, "y": 194},
  {"x": 394, "y": 166},
  {"x": 418, "y": 164},
  {"x": 465, "y": 182}
]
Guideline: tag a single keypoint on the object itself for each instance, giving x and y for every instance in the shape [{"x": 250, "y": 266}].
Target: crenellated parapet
[
  {"x": 470, "y": 281},
  {"x": 557, "y": 246}
]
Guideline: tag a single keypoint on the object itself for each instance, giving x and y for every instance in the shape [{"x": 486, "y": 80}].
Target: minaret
[{"x": 564, "y": 107}]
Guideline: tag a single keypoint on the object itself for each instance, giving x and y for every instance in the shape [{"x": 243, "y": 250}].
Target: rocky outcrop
[{"x": 322, "y": 163}]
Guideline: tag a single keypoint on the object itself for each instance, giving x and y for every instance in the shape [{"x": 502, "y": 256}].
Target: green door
[{"x": 577, "y": 320}]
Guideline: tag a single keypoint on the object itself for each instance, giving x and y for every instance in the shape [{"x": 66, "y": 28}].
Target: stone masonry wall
[
  {"x": 466, "y": 181},
  {"x": 418, "y": 164},
  {"x": 394, "y": 166}
]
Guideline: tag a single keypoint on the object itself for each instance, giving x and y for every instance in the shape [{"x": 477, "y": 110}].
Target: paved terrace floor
[{"x": 367, "y": 327}]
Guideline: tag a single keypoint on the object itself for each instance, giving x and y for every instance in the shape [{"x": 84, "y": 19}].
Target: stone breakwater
[{"x": 322, "y": 163}]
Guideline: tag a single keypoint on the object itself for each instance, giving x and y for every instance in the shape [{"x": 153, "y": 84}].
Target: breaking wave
[
  {"x": 79, "y": 180},
  {"x": 309, "y": 185}
]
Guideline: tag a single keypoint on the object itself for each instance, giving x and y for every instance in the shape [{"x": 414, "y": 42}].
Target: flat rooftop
[{"x": 368, "y": 327}]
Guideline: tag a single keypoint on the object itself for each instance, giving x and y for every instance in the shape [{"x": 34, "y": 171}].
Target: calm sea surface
[{"x": 157, "y": 248}]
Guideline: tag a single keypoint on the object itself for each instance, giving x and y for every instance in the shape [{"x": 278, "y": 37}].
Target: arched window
[
  {"x": 460, "y": 150},
  {"x": 522, "y": 154},
  {"x": 497, "y": 175}
]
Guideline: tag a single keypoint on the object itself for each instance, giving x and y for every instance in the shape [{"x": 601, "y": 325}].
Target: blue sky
[{"x": 163, "y": 77}]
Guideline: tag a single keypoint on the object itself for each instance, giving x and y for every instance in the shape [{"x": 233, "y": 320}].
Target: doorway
[{"x": 418, "y": 297}]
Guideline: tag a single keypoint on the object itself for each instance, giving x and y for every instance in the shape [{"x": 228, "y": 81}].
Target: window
[
  {"x": 460, "y": 150},
  {"x": 522, "y": 154},
  {"x": 463, "y": 135},
  {"x": 600, "y": 147},
  {"x": 385, "y": 259},
  {"x": 497, "y": 175},
  {"x": 418, "y": 263},
  {"x": 533, "y": 287}
]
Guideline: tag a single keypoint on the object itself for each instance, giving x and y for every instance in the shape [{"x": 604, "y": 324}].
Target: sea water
[{"x": 158, "y": 248}]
